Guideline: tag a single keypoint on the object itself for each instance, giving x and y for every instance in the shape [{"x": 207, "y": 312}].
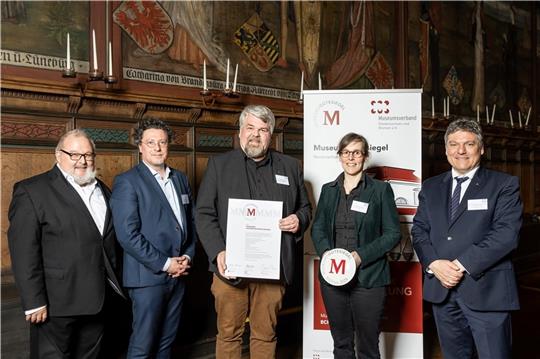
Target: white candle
[
  {"x": 511, "y": 119},
  {"x": 204, "y": 75},
  {"x": 448, "y": 106},
  {"x": 528, "y": 114},
  {"x": 320, "y": 83},
  {"x": 478, "y": 113},
  {"x": 432, "y": 107},
  {"x": 302, "y": 86},
  {"x": 444, "y": 107},
  {"x": 493, "y": 113},
  {"x": 94, "y": 51},
  {"x": 68, "y": 55},
  {"x": 519, "y": 118},
  {"x": 227, "y": 78},
  {"x": 110, "y": 59},
  {"x": 487, "y": 114},
  {"x": 235, "y": 75}
]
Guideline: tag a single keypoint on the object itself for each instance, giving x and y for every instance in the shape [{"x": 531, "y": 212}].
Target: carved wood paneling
[
  {"x": 109, "y": 164},
  {"x": 208, "y": 139},
  {"x": 28, "y": 129},
  {"x": 18, "y": 164},
  {"x": 200, "y": 167},
  {"x": 182, "y": 162},
  {"x": 183, "y": 137}
]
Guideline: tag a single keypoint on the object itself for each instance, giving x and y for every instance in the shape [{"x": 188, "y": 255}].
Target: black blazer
[
  {"x": 226, "y": 178},
  {"x": 59, "y": 258}
]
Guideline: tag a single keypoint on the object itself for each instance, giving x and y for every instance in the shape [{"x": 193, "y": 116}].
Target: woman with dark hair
[{"x": 357, "y": 213}]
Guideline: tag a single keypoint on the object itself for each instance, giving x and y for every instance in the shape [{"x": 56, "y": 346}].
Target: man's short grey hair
[
  {"x": 464, "y": 124},
  {"x": 261, "y": 112},
  {"x": 76, "y": 133}
]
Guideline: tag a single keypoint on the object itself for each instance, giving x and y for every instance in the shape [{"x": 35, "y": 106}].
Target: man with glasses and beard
[
  {"x": 251, "y": 172},
  {"x": 62, "y": 246}
]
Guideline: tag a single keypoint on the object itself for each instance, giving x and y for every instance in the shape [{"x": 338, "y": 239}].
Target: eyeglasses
[
  {"x": 154, "y": 143},
  {"x": 262, "y": 130},
  {"x": 89, "y": 157},
  {"x": 355, "y": 154}
]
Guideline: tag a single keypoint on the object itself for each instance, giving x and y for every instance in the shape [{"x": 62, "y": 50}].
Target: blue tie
[{"x": 454, "y": 204}]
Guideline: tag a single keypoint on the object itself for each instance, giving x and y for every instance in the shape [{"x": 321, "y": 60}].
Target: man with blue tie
[
  {"x": 153, "y": 213},
  {"x": 464, "y": 232}
]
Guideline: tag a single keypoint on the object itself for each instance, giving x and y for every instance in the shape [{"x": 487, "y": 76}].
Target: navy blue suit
[
  {"x": 150, "y": 233},
  {"x": 482, "y": 241}
]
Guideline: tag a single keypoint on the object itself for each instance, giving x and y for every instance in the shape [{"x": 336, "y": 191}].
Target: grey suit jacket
[{"x": 226, "y": 178}]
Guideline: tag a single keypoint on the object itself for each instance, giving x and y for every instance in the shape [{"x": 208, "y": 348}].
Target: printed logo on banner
[
  {"x": 403, "y": 309},
  {"x": 329, "y": 114},
  {"x": 380, "y": 106}
]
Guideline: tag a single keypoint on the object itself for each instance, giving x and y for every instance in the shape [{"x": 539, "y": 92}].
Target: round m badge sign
[{"x": 338, "y": 267}]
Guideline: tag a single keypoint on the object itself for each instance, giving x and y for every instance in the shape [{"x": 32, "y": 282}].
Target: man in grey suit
[{"x": 251, "y": 172}]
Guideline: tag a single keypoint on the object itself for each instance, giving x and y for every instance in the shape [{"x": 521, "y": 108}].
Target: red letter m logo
[
  {"x": 251, "y": 212},
  {"x": 335, "y": 268},
  {"x": 329, "y": 120}
]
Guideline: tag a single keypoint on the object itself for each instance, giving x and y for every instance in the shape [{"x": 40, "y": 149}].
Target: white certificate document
[{"x": 253, "y": 238}]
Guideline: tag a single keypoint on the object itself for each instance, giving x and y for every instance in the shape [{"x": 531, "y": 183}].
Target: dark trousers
[
  {"x": 462, "y": 329},
  {"x": 156, "y": 316},
  {"x": 77, "y": 337},
  {"x": 354, "y": 312}
]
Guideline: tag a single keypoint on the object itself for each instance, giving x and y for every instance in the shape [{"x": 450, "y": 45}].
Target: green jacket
[{"x": 378, "y": 228}]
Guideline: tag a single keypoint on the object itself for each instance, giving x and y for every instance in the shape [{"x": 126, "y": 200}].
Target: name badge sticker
[
  {"x": 284, "y": 180},
  {"x": 477, "y": 204},
  {"x": 358, "y": 206},
  {"x": 185, "y": 199}
]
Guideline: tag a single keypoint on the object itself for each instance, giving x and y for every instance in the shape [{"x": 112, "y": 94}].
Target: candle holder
[
  {"x": 214, "y": 95},
  {"x": 95, "y": 75},
  {"x": 69, "y": 73},
  {"x": 109, "y": 79},
  {"x": 230, "y": 93}
]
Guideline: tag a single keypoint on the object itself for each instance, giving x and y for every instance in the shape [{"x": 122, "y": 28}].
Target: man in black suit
[
  {"x": 63, "y": 252},
  {"x": 251, "y": 172}
]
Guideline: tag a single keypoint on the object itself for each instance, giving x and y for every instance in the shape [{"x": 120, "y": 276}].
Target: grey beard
[{"x": 86, "y": 179}]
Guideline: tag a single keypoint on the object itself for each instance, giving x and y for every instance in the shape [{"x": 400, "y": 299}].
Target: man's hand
[
  {"x": 290, "y": 223},
  {"x": 221, "y": 265},
  {"x": 357, "y": 258},
  {"x": 179, "y": 266},
  {"x": 448, "y": 273},
  {"x": 37, "y": 317}
]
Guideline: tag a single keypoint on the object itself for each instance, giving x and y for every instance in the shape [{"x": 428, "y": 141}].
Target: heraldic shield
[{"x": 258, "y": 43}]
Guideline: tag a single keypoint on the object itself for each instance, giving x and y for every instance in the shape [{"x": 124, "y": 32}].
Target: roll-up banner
[{"x": 391, "y": 122}]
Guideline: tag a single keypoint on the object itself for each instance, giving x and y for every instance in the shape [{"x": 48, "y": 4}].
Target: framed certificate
[{"x": 253, "y": 247}]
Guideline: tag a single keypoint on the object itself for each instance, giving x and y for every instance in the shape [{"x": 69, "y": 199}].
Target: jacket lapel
[
  {"x": 364, "y": 196},
  {"x": 108, "y": 226},
  {"x": 443, "y": 195},
  {"x": 153, "y": 186},
  {"x": 66, "y": 191},
  {"x": 282, "y": 191},
  {"x": 179, "y": 191},
  {"x": 240, "y": 181}
]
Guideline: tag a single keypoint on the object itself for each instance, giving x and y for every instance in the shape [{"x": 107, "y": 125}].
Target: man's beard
[
  {"x": 86, "y": 179},
  {"x": 255, "y": 152}
]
